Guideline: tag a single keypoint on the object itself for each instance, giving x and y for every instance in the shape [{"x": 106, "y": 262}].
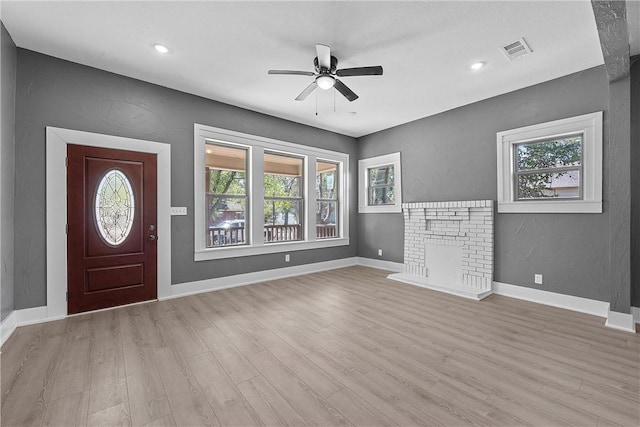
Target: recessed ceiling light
[
  {"x": 160, "y": 48},
  {"x": 477, "y": 65}
]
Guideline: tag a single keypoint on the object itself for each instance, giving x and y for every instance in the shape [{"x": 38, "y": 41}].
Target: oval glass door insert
[{"x": 115, "y": 207}]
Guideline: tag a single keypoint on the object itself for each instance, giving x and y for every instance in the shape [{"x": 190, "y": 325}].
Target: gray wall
[
  {"x": 635, "y": 182},
  {"x": 53, "y": 92},
  {"x": 452, "y": 156},
  {"x": 7, "y": 121}
]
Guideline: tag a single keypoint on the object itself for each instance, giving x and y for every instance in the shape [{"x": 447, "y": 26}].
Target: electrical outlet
[
  {"x": 537, "y": 279},
  {"x": 287, "y": 258},
  {"x": 379, "y": 252}
]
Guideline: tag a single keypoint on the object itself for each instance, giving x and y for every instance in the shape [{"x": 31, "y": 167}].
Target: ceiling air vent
[{"x": 516, "y": 49}]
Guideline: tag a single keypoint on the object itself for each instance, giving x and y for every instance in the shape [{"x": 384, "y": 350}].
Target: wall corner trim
[{"x": 621, "y": 321}]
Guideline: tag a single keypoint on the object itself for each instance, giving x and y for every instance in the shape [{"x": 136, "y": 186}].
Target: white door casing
[{"x": 56, "y": 208}]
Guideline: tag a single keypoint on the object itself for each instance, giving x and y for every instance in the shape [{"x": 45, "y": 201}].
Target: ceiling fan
[{"x": 326, "y": 74}]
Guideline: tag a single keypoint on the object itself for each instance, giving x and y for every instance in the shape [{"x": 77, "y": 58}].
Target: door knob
[{"x": 152, "y": 237}]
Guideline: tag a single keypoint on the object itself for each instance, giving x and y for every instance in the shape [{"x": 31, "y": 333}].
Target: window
[
  {"x": 115, "y": 207},
  {"x": 548, "y": 169},
  {"x": 256, "y": 195},
  {"x": 283, "y": 198},
  {"x": 327, "y": 207},
  {"x": 552, "y": 167},
  {"x": 226, "y": 194},
  {"x": 379, "y": 188}
]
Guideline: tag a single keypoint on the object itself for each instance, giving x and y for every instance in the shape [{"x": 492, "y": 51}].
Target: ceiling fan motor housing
[{"x": 334, "y": 65}]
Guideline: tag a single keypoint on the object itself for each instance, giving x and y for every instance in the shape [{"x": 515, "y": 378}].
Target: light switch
[{"x": 178, "y": 210}]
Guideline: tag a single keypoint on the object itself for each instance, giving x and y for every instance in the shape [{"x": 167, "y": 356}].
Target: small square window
[
  {"x": 379, "y": 184},
  {"x": 552, "y": 167}
]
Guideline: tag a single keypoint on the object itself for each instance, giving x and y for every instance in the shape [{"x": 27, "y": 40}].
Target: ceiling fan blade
[
  {"x": 324, "y": 56},
  {"x": 303, "y": 95},
  {"x": 360, "y": 71},
  {"x": 344, "y": 90},
  {"x": 290, "y": 72}
]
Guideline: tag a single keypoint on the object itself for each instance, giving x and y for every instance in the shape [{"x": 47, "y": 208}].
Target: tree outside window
[
  {"x": 326, "y": 199},
  {"x": 549, "y": 169}
]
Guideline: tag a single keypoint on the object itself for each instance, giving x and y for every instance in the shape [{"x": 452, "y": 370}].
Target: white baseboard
[
  {"x": 615, "y": 320},
  {"x": 7, "y": 327},
  {"x": 24, "y": 317},
  {"x": 635, "y": 311},
  {"x": 396, "y": 267},
  {"x": 621, "y": 321},
  {"x": 191, "y": 288},
  {"x": 583, "y": 305}
]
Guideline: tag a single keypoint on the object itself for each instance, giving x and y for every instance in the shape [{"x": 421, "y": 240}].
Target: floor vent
[{"x": 516, "y": 50}]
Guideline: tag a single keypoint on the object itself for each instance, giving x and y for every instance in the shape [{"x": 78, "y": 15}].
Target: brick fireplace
[{"x": 448, "y": 246}]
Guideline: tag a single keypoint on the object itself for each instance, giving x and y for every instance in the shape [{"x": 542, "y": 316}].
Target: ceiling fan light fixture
[{"x": 325, "y": 82}]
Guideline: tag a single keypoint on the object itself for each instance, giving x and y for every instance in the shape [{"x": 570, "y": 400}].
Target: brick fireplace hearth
[{"x": 448, "y": 246}]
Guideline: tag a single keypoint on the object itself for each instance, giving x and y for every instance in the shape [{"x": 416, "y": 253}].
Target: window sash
[
  {"x": 550, "y": 170},
  {"x": 580, "y": 187},
  {"x": 387, "y": 202},
  {"x": 518, "y": 144},
  {"x": 215, "y": 236}
]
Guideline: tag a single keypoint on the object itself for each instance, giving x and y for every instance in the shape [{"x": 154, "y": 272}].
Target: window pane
[
  {"x": 226, "y": 221},
  {"x": 282, "y": 220},
  {"x": 549, "y": 185},
  {"x": 549, "y": 154},
  {"x": 326, "y": 180},
  {"x": 114, "y": 207},
  {"x": 282, "y": 176},
  {"x": 326, "y": 219},
  {"x": 382, "y": 175},
  {"x": 381, "y": 196},
  {"x": 225, "y": 171}
]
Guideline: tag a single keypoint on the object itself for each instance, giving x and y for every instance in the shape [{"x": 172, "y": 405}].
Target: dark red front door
[{"x": 111, "y": 215}]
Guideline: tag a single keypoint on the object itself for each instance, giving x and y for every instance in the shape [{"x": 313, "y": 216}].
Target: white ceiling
[{"x": 222, "y": 50}]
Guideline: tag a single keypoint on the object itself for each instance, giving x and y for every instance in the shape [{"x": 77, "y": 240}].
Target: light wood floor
[{"x": 345, "y": 347}]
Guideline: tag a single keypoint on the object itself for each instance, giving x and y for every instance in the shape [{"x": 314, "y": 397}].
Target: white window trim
[
  {"x": 257, "y": 145},
  {"x": 590, "y": 125},
  {"x": 363, "y": 183}
]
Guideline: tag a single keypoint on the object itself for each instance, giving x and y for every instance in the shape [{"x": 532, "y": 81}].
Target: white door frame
[{"x": 56, "y": 206}]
